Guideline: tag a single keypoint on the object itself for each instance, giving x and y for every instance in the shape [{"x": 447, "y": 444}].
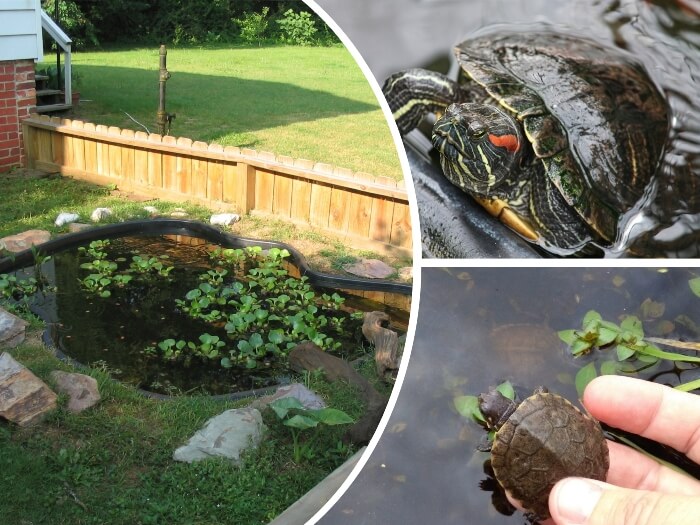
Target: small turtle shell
[{"x": 546, "y": 439}]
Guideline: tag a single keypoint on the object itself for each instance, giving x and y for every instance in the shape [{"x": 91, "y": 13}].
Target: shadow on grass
[{"x": 209, "y": 103}]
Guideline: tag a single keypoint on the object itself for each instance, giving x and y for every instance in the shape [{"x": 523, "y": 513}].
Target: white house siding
[{"x": 20, "y": 30}]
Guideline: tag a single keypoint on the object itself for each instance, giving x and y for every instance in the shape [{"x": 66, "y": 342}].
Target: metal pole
[
  {"x": 58, "y": 48},
  {"x": 162, "y": 116}
]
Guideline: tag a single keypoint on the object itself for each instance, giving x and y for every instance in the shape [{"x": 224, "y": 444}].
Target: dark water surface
[
  {"x": 113, "y": 332},
  {"x": 476, "y": 328},
  {"x": 664, "y": 35}
]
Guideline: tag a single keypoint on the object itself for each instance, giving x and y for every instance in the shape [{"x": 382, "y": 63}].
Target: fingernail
[{"x": 575, "y": 499}]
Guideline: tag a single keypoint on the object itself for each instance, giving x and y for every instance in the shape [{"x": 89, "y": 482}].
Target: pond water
[
  {"x": 115, "y": 331},
  {"x": 663, "y": 34},
  {"x": 476, "y": 328}
]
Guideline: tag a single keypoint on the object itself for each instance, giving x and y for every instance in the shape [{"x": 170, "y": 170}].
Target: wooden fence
[{"x": 370, "y": 211}]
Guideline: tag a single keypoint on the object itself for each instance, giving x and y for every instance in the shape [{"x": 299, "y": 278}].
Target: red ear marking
[{"x": 510, "y": 142}]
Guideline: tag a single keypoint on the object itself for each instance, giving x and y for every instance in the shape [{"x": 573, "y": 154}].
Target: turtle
[
  {"x": 556, "y": 135},
  {"x": 540, "y": 441}
]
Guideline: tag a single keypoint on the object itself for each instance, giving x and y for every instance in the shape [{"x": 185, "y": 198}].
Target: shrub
[
  {"x": 73, "y": 21},
  {"x": 298, "y": 28},
  {"x": 253, "y": 26}
]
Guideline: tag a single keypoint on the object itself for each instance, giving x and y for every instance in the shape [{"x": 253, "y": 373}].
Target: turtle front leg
[{"x": 413, "y": 93}]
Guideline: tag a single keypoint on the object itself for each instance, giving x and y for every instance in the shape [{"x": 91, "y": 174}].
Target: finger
[
  {"x": 578, "y": 501},
  {"x": 647, "y": 409},
  {"x": 634, "y": 470}
]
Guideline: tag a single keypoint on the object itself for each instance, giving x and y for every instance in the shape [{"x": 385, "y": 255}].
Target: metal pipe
[
  {"x": 163, "y": 119},
  {"x": 58, "y": 48}
]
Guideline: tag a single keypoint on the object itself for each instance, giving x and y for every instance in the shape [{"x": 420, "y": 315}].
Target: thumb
[{"x": 579, "y": 501}]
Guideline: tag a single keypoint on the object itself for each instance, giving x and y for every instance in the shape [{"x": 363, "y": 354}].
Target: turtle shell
[
  {"x": 591, "y": 113},
  {"x": 546, "y": 439}
]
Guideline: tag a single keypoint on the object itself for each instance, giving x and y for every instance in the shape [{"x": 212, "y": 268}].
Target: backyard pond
[
  {"x": 480, "y": 327},
  {"x": 176, "y": 314}
]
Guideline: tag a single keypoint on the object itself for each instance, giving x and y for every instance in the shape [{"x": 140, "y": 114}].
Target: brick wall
[{"x": 17, "y": 100}]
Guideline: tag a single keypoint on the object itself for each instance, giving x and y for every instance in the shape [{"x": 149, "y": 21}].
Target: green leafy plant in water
[
  {"x": 149, "y": 265},
  {"x": 297, "y": 418},
  {"x": 628, "y": 340},
  {"x": 17, "y": 289}
]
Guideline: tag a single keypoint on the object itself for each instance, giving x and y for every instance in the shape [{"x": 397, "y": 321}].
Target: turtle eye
[{"x": 476, "y": 129}]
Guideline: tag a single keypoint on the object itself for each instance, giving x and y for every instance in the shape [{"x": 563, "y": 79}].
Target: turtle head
[
  {"x": 479, "y": 146},
  {"x": 496, "y": 408}
]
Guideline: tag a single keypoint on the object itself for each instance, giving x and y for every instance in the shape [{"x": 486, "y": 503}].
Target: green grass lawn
[
  {"x": 305, "y": 102},
  {"x": 112, "y": 464}
]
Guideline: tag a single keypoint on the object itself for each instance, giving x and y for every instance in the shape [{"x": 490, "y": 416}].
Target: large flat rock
[
  {"x": 23, "y": 241},
  {"x": 227, "y": 435},
  {"x": 24, "y": 398},
  {"x": 12, "y": 329}
]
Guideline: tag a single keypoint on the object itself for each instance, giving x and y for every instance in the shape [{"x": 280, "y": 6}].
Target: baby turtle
[{"x": 538, "y": 442}]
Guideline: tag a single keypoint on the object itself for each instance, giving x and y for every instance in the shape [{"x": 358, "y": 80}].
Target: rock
[
  {"x": 74, "y": 227},
  {"x": 309, "y": 399},
  {"x": 226, "y": 435},
  {"x": 178, "y": 213},
  {"x": 24, "y": 241},
  {"x": 152, "y": 210},
  {"x": 224, "y": 219},
  {"x": 370, "y": 268},
  {"x": 406, "y": 273},
  {"x": 12, "y": 329},
  {"x": 24, "y": 398},
  {"x": 99, "y": 214},
  {"x": 66, "y": 218},
  {"x": 81, "y": 389}
]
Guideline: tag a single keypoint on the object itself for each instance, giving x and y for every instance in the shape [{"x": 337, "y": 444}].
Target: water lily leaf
[
  {"x": 695, "y": 285},
  {"x": 580, "y": 347},
  {"x": 633, "y": 325},
  {"x": 506, "y": 389},
  {"x": 193, "y": 294},
  {"x": 256, "y": 340},
  {"x": 276, "y": 336},
  {"x": 624, "y": 352},
  {"x": 568, "y": 336},
  {"x": 591, "y": 315},
  {"x": 584, "y": 376},
  {"x": 244, "y": 346},
  {"x": 608, "y": 368},
  {"x": 606, "y": 336},
  {"x": 468, "y": 406},
  {"x": 648, "y": 359}
]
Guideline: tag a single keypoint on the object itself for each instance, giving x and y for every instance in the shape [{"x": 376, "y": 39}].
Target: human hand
[{"x": 639, "y": 491}]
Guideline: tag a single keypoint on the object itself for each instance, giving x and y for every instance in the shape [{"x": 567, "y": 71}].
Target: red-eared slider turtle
[
  {"x": 556, "y": 135},
  {"x": 540, "y": 441}
]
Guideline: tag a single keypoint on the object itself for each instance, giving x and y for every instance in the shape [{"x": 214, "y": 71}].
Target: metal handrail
[{"x": 64, "y": 42}]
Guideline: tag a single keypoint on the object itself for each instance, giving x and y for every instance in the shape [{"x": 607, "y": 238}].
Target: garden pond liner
[{"x": 189, "y": 228}]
